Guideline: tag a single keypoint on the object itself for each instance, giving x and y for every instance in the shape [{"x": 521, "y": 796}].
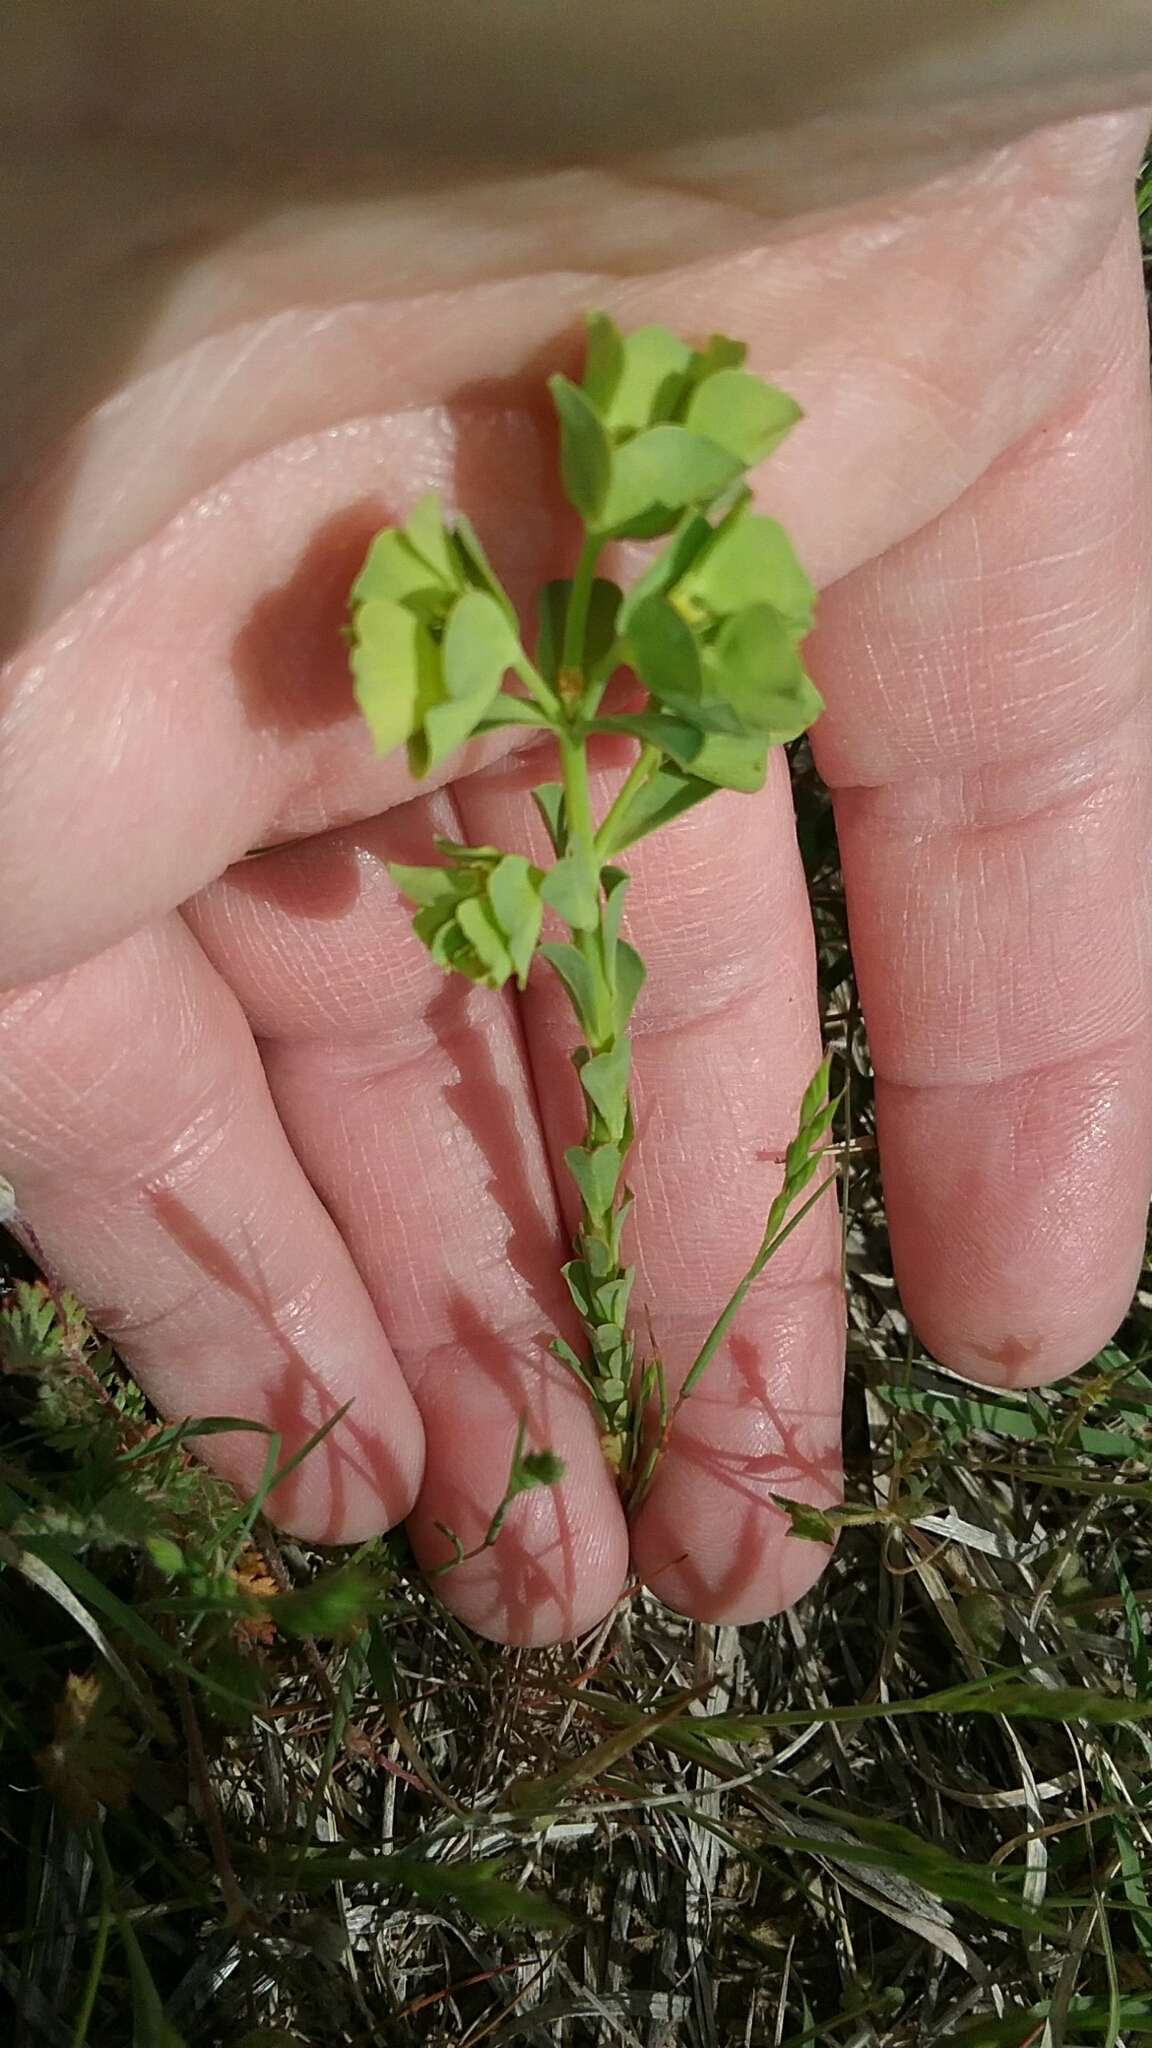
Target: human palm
[{"x": 285, "y": 1163}]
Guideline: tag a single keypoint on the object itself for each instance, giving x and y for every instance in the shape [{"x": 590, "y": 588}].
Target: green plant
[{"x": 655, "y": 443}]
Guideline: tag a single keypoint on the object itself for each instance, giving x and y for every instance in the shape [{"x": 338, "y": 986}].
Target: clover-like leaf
[
  {"x": 748, "y": 559},
  {"x": 634, "y": 379},
  {"x": 431, "y": 635},
  {"x": 585, "y": 450},
  {"x": 595, "y": 1173},
  {"x": 656, "y": 474},
  {"x": 666, "y": 794},
  {"x": 572, "y": 888},
  {"x": 604, "y": 1080},
  {"x": 753, "y": 668},
  {"x": 741, "y": 413},
  {"x": 480, "y": 915},
  {"x": 395, "y": 671}
]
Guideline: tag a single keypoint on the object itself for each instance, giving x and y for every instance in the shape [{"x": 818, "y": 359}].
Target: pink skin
[{"x": 288, "y": 1165}]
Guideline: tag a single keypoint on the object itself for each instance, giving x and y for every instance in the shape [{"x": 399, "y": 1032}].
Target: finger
[
  {"x": 407, "y": 1097},
  {"x": 138, "y": 1133},
  {"x": 988, "y": 741},
  {"x": 726, "y": 1039},
  {"x": 173, "y": 574}
]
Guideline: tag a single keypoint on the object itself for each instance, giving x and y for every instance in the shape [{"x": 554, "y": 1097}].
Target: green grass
[{"x": 250, "y": 1794}]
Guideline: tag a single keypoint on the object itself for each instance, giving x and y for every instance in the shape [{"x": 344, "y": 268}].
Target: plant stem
[
  {"x": 534, "y": 683},
  {"x": 95, "y": 1966},
  {"x": 576, "y": 621}
]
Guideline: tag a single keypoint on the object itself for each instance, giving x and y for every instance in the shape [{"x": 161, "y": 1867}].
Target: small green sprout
[{"x": 655, "y": 444}]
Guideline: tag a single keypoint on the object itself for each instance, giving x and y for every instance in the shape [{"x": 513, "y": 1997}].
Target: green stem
[
  {"x": 95, "y": 1967},
  {"x": 576, "y": 622},
  {"x": 534, "y": 683},
  {"x": 772, "y": 1241},
  {"x": 642, "y": 770}
]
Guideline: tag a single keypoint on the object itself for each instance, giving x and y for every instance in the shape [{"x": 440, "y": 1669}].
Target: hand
[{"x": 282, "y": 1161}]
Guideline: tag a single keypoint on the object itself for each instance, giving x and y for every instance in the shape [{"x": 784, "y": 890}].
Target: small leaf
[
  {"x": 663, "y": 651},
  {"x": 750, "y": 561},
  {"x": 514, "y": 893},
  {"x": 634, "y": 379},
  {"x": 579, "y": 1284},
  {"x": 812, "y": 1524},
  {"x": 507, "y": 710},
  {"x": 585, "y": 450},
  {"x": 479, "y": 647},
  {"x": 335, "y": 1603},
  {"x": 689, "y": 537},
  {"x": 477, "y": 569},
  {"x": 576, "y": 975},
  {"x": 816, "y": 1093},
  {"x": 742, "y": 414},
  {"x": 427, "y": 536},
  {"x": 396, "y": 671},
  {"x": 398, "y": 573},
  {"x": 548, "y": 798},
  {"x": 604, "y": 1080},
  {"x": 732, "y": 763},
  {"x": 667, "y": 793},
  {"x": 478, "y": 924},
  {"x": 656, "y": 475},
  {"x": 595, "y": 1174},
  {"x": 571, "y": 887},
  {"x": 630, "y": 977},
  {"x": 543, "y": 1468},
  {"x": 424, "y": 885},
  {"x": 613, "y": 882},
  {"x": 752, "y": 666}
]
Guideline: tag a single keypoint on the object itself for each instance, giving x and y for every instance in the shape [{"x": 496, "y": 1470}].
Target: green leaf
[
  {"x": 479, "y": 647},
  {"x": 595, "y": 1173},
  {"x": 723, "y": 760},
  {"x": 630, "y": 976},
  {"x": 599, "y": 630},
  {"x": 548, "y": 798},
  {"x": 613, "y": 882},
  {"x": 150, "y": 2029},
  {"x": 477, "y": 921},
  {"x": 656, "y": 475},
  {"x": 543, "y": 1468},
  {"x": 507, "y": 710},
  {"x": 742, "y": 414},
  {"x": 585, "y": 450},
  {"x": 428, "y": 538},
  {"x": 395, "y": 669},
  {"x": 477, "y": 570},
  {"x": 424, "y": 885},
  {"x": 514, "y": 893},
  {"x": 604, "y": 1080},
  {"x": 636, "y": 379},
  {"x": 663, "y": 651},
  {"x": 663, "y": 797},
  {"x": 816, "y": 1093},
  {"x": 397, "y": 572},
  {"x": 576, "y": 976},
  {"x": 571, "y": 888},
  {"x": 749, "y": 561},
  {"x": 334, "y": 1603},
  {"x": 753, "y": 668},
  {"x": 730, "y": 762},
  {"x": 672, "y": 563}
]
